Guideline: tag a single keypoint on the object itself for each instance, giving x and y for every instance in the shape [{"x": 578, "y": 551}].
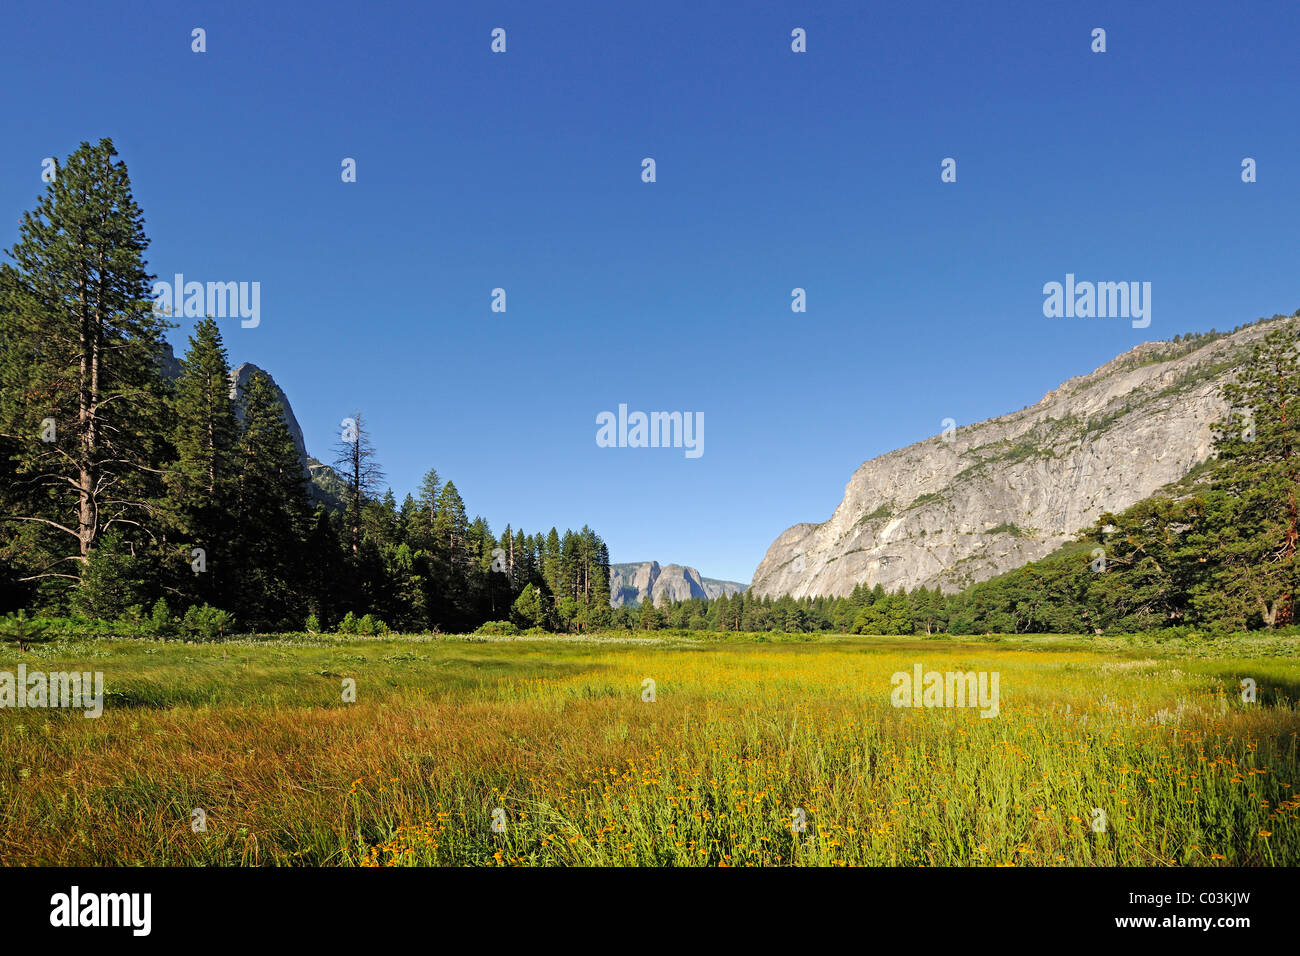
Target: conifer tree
[
  {"x": 201, "y": 480},
  {"x": 357, "y": 466},
  {"x": 270, "y": 514},
  {"x": 453, "y": 559},
  {"x": 325, "y": 569},
  {"x": 80, "y": 383},
  {"x": 1254, "y": 508}
]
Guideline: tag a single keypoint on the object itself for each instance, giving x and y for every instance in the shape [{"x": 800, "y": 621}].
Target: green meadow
[{"x": 686, "y": 750}]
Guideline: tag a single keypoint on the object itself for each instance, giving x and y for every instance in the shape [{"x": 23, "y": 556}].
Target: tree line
[{"x": 128, "y": 496}]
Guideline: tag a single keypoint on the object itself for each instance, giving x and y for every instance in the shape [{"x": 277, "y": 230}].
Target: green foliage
[
  {"x": 200, "y": 481},
  {"x": 884, "y": 510},
  {"x": 1008, "y": 528},
  {"x": 160, "y": 620},
  {"x": 206, "y": 623},
  {"x": 366, "y": 626},
  {"x": 119, "y": 574},
  {"x": 529, "y": 609},
  {"x": 17, "y": 629},
  {"x": 82, "y": 407},
  {"x": 890, "y": 615},
  {"x": 269, "y": 517}
]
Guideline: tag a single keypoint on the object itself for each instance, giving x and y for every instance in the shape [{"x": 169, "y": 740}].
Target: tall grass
[{"x": 750, "y": 754}]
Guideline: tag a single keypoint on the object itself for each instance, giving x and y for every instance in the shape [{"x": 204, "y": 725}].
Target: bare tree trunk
[{"x": 88, "y": 396}]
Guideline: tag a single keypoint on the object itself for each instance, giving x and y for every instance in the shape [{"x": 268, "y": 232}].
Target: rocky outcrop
[
  {"x": 959, "y": 508},
  {"x": 634, "y": 583}
]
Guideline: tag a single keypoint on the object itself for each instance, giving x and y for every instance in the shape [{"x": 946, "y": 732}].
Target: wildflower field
[{"x": 682, "y": 751}]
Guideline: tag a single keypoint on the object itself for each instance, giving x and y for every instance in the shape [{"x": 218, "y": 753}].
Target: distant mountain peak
[{"x": 632, "y": 583}]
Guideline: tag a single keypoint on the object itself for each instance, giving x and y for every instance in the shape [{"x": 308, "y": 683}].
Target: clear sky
[{"x": 775, "y": 170}]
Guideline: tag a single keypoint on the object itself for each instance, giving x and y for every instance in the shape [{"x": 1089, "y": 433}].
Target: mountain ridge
[
  {"x": 963, "y": 506},
  {"x": 633, "y": 582}
]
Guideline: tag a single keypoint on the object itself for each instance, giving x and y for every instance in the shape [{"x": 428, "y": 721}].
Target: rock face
[
  {"x": 168, "y": 363},
  {"x": 633, "y": 583},
  {"x": 960, "y": 508}
]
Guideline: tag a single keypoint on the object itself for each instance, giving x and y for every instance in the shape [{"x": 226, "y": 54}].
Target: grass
[{"x": 552, "y": 739}]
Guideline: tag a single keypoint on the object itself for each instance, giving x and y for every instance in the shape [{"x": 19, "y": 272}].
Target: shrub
[
  {"x": 160, "y": 619},
  {"x": 498, "y": 629},
  {"x": 206, "y": 622},
  {"x": 20, "y": 630},
  {"x": 367, "y": 625}
]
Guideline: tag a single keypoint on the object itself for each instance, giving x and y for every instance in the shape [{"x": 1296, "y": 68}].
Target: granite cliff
[
  {"x": 633, "y": 583},
  {"x": 964, "y": 506}
]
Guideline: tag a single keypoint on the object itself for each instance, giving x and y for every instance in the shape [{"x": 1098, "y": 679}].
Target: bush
[
  {"x": 160, "y": 619},
  {"x": 312, "y": 624},
  {"x": 498, "y": 629},
  {"x": 18, "y": 629},
  {"x": 206, "y": 622},
  {"x": 368, "y": 625}
]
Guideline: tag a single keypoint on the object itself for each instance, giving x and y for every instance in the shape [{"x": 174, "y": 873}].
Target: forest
[{"x": 171, "y": 507}]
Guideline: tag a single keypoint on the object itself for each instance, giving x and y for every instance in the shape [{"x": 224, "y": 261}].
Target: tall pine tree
[
  {"x": 271, "y": 515},
  {"x": 80, "y": 384},
  {"x": 201, "y": 480}
]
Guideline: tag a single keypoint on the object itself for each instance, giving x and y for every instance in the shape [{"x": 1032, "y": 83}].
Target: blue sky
[{"x": 775, "y": 170}]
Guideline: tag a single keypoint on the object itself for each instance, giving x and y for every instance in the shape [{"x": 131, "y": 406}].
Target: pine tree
[
  {"x": 81, "y": 351},
  {"x": 325, "y": 570},
  {"x": 430, "y": 488},
  {"x": 270, "y": 514},
  {"x": 552, "y": 562},
  {"x": 356, "y": 464},
  {"x": 650, "y": 617},
  {"x": 451, "y": 526},
  {"x": 118, "y": 580},
  {"x": 1254, "y": 507},
  {"x": 453, "y": 558},
  {"x": 530, "y": 609},
  {"x": 201, "y": 480}
]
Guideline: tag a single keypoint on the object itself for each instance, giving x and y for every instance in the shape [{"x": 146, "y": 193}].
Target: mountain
[
  {"x": 324, "y": 484},
  {"x": 963, "y": 507},
  {"x": 633, "y": 583}
]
